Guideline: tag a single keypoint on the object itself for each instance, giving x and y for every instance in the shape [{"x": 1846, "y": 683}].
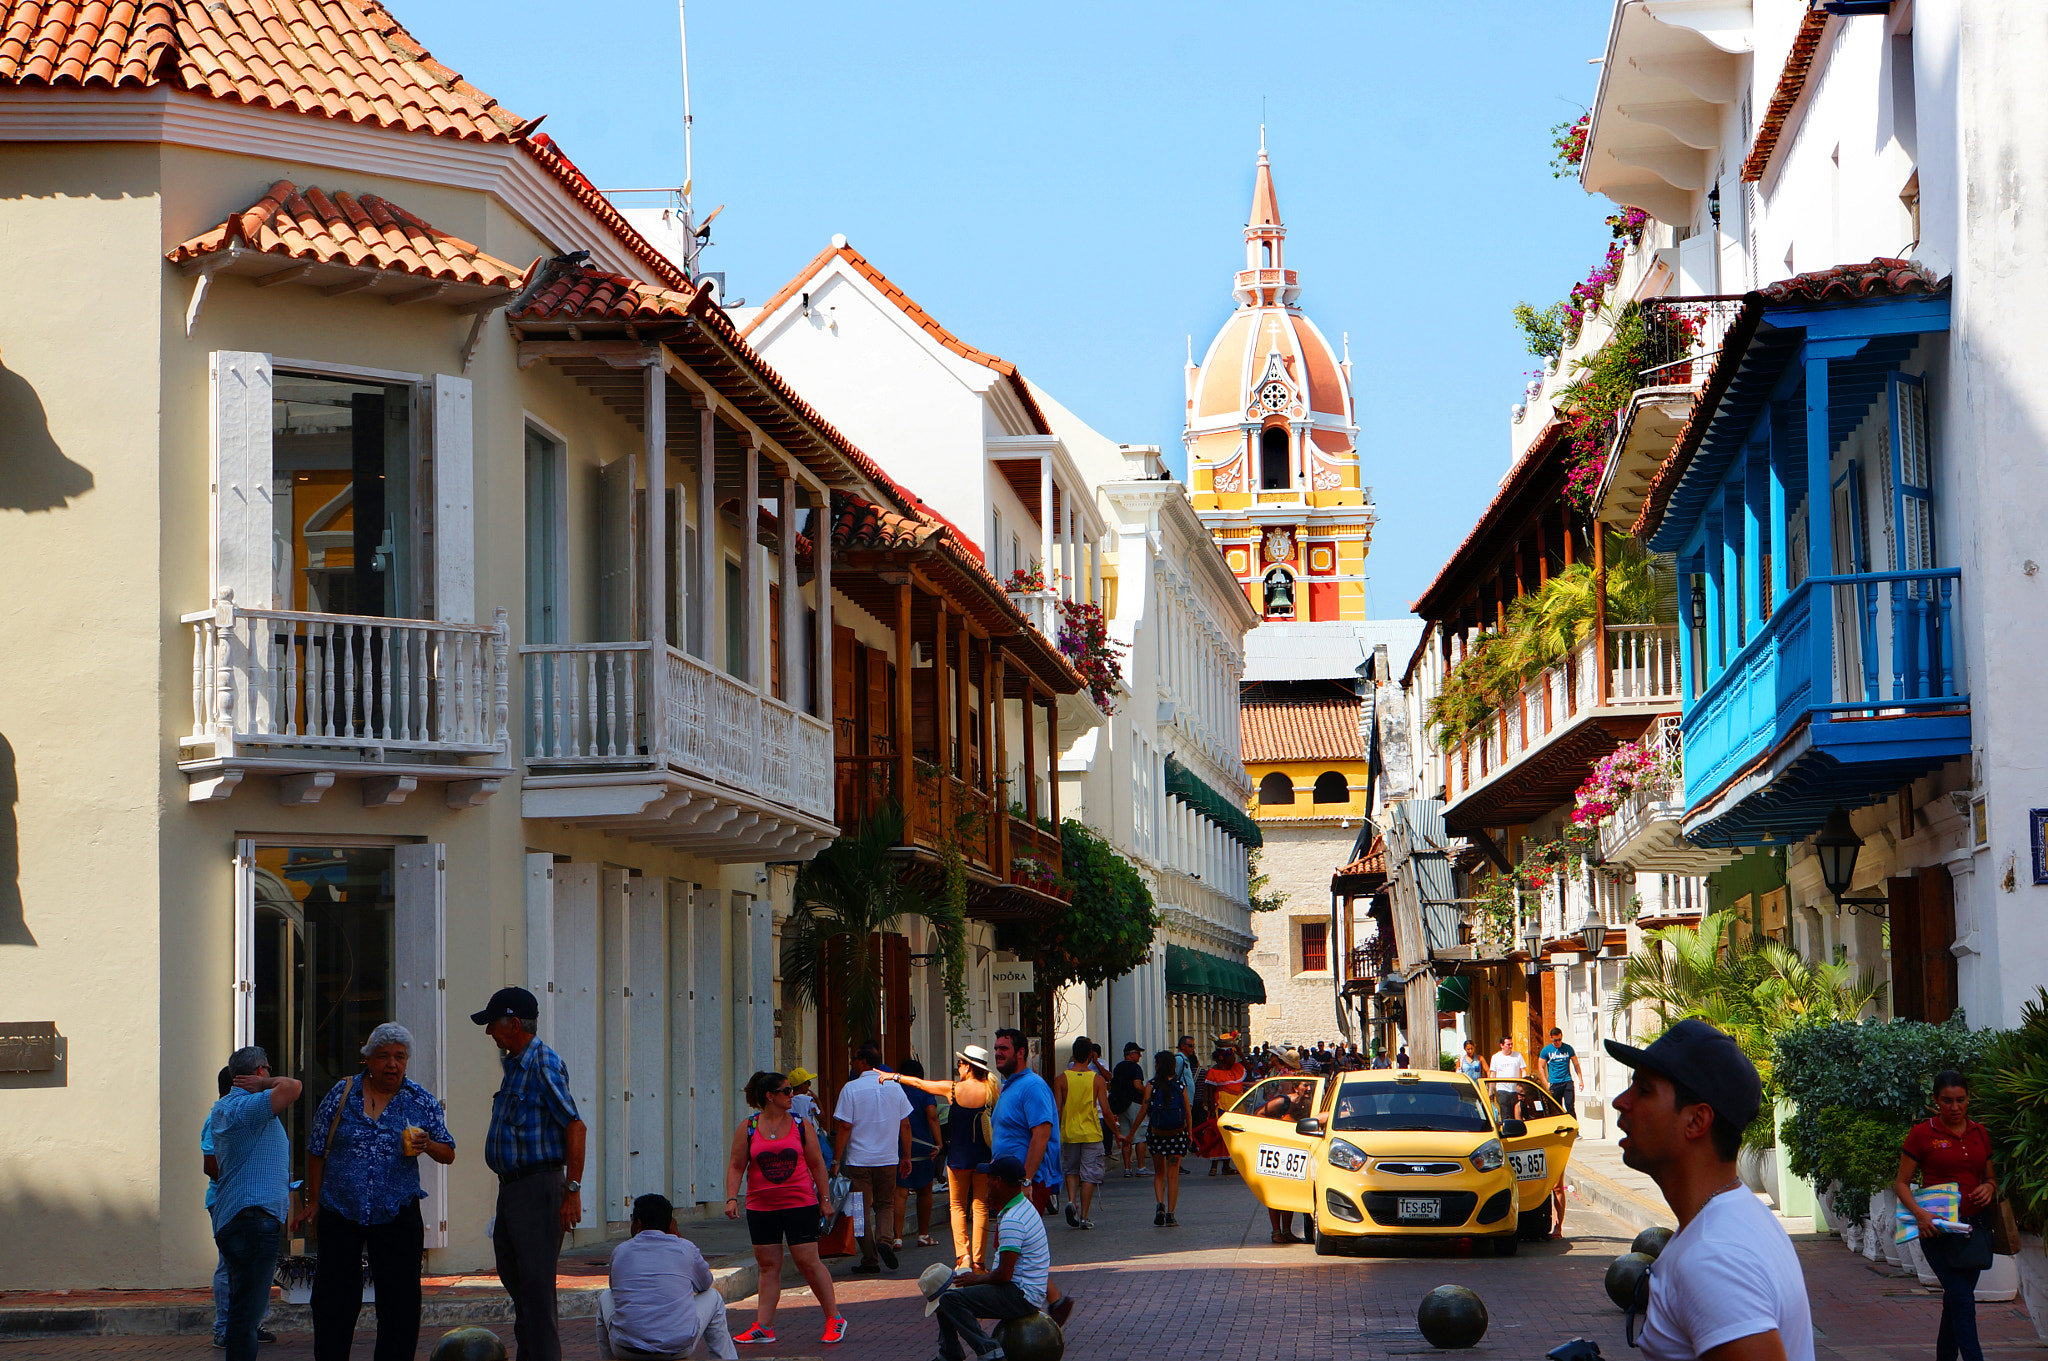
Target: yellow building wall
[{"x": 1303, "y": 775}]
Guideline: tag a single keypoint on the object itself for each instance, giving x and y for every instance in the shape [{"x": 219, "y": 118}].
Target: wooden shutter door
[
  {"x": 579, "y": 984},
  {"x": 895, "y": 999},
  {"x": 775, "y": 640},
  {"x": 880, "y": 686},
  {"x": 1937, "y": 933},
  {"x": 707, "y": 1039},
  {"x": 647, "y": 1025},
  {"x": 616, "y": 550},
  {"x": 619, "y": 975},
  {"x": 419, "y": 930},
  {"x": 454, "y": 496},
  {"x": 1908, "y": 997}
]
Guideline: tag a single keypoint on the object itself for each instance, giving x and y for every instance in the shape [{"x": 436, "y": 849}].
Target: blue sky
[{"x": 1066, "y": 185}]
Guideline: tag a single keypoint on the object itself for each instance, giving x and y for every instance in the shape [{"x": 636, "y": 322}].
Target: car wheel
[
  {"x": 1534, "y": 1225},
  {"x": 1506, "y": 1244},
  {"x": 1326, "y": 1246}
]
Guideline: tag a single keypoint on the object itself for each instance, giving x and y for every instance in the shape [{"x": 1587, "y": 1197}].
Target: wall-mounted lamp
[
  {"x": 1593, "y": 933},
  {"x": 1699, "y": 602},
  {"x": 1714, "y": 203},
  {"x": 1533, "y": 939},
  {"x": 1836, "y": 847}
]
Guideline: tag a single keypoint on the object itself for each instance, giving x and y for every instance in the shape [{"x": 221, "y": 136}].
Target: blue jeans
[
  {"x": 249, "y": 1245},
  {"x": 962, "y": 1307},
  {"x": 220, "y": 1300},
  {"x": 1958, "y": 1335}
]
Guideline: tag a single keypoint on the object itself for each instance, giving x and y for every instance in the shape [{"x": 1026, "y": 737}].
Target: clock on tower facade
[{"x": 1272, "y": 441}]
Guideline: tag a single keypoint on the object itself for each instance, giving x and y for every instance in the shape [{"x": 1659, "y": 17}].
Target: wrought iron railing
[{"x": 1684, "y": 336}]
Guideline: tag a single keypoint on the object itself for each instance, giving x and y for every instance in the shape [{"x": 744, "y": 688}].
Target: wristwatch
[{"x": 575, "y": 1187}]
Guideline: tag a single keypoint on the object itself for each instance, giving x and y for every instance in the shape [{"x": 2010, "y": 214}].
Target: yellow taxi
[{"x": 1403, "y": 1153}]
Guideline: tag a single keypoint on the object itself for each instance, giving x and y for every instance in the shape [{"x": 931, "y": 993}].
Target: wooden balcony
[
  {"x": 313, "y": 698},
  {"x": 1539, "y": 747},
  {"x": 1365, "y": 965},
  {"x": 649, "y": 743}
]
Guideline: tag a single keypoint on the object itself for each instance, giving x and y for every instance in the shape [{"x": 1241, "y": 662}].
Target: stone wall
[{"x": 1298, "y": 860}]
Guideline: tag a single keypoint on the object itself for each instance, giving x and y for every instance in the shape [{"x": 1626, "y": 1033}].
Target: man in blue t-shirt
[
  {"x": 1026, "y": 1126},
  {"x": 1563, "y": 1063}
]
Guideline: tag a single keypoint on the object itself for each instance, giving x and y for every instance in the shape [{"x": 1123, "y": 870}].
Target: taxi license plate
[
  {"x": 1419, "y": 1207},
  {"x": 1530, "y": 1166},
  {"x": 1291, "y": 1163}
]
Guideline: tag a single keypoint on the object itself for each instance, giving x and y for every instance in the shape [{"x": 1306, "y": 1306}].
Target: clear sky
[{"x": 1066, "y": 185}]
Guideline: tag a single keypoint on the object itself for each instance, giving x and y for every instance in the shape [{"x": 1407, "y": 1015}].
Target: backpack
[{"x": 1166, "y": 1110}]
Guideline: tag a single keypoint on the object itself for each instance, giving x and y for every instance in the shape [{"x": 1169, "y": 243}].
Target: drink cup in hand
[{"x": 415, "y": 1140}]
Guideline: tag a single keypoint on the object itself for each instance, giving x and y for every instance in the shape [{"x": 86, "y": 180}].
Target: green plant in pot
[{"x": 2009, "y": 1097}]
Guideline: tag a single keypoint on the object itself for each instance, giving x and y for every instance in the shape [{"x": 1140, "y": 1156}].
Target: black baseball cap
[
  {"x": 1006, "y": 1168},
  {"x": 515, "y": 1002},
  {"x": 1705, "y": 1060}
]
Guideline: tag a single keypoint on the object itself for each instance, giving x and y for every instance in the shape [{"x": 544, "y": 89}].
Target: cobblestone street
[{"x": 1217, "y": 1288}]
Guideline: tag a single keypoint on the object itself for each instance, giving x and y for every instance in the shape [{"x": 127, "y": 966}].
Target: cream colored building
[{"x": 381, "y": 648}]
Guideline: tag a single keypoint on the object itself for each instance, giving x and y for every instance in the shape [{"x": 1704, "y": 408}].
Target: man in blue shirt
[
  {"x": 252, "y": 1198},
  {"x": 1563, "y": 1063},
  {"x": 1026, "y": 1126},
  {"x": 535, "y": 1145}
]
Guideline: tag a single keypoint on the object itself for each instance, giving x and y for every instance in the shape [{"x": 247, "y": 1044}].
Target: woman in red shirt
[{"x": 1951, "y": 1147}]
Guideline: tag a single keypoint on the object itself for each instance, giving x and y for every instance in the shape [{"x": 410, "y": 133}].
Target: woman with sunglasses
[{"x": 779, "y": 1156}]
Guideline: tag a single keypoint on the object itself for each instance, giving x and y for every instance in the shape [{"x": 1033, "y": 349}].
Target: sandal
[{"x": 925, "y": 1240}]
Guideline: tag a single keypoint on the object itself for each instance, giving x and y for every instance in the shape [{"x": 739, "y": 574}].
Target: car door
[
  {"x": 1538, "y": 1156},
  {"x": 1272, "y": 1158}
]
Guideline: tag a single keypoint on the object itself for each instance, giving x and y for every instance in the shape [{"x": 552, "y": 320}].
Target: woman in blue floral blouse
[{"x": 363, "y": 1181}]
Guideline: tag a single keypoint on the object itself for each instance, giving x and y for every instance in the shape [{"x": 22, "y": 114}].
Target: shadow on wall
[
  {"x": 13, "y": 920},
  {"x": 34, "y": 473},
  {"x": 97, "y": 1236}
]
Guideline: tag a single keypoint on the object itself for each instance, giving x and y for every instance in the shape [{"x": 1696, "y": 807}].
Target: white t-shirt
[
  {"x": 1731, "y": 1273},
  {"x": 875, "y": 1109},
  {"x": 1507, "y": 1065},
  {"x": 805, "y": 1109},
  {"x": 655, "y": 1280},
  {"x": 1022, "y": 1231}
]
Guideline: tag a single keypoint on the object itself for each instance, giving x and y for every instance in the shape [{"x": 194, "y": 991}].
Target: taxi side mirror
[
  {"x": 1513, "y": 1129},
  {"x": 1310, "y": 1128}
]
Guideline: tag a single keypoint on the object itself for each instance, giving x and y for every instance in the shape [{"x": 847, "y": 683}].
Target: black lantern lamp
[
  {"x": 1837, "y": 846},
  {"x": 1594, "y": 932},
  {"x": 1533, "y": 938},
  {"x": 1699, "y": 602}
]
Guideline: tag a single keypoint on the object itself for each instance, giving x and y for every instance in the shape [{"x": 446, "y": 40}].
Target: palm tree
[{"x": 846, "y": 898}]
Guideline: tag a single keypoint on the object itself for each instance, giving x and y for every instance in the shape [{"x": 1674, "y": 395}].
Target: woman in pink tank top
[{"x": 784, "y": 1168}]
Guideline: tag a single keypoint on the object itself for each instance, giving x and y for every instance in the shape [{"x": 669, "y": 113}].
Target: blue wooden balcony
[{"x": 1823, "y": 661}]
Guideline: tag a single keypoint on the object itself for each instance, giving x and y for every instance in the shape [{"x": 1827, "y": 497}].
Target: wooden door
[
  {"x": 1908, "y": 973},
  {"x": 895, "y": 999},
  {"x": 1937, "y": 932}
]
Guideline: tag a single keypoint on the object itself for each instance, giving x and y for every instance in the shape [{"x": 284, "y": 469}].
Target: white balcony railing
[
  {"x": 1042, "y": 608},
  {"x": 597, "y": 705},
  {"x": 1642, "y": 669},
  {"x": 283, "y": 679}
]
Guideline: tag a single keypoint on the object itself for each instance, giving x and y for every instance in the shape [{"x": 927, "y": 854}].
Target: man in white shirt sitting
[
  {"x": 661, "y": 1302},
  {"x": 1014, "y": 1289},
  {"x": 1506, "y": 1064}
]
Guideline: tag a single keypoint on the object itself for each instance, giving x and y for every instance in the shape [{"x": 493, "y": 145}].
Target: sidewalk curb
[
  {"x": 1616, "y": 1201},
  {"x": 734, "y": 1284}
]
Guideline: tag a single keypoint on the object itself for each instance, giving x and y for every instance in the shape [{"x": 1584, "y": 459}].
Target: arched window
[
  {"x": 1269, "y": 255},
  {"x": 1273, "y": 470},
  {"x": 1332, "y": 787},
  {"x": 1276, "y": 788}
]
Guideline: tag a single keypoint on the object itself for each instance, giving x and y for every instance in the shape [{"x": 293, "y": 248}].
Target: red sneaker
[
  {"x": 756, "y": 1334},
  {"x": 835, "y": 1329}
]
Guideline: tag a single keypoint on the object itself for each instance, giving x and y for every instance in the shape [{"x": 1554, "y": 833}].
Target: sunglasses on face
[
  {"x": 782, "y": 1091},
  {"x": 1638, "y": 1310}
]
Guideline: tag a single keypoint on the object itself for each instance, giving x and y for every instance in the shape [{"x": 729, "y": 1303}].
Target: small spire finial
[{"x": 1191, "y": 347}]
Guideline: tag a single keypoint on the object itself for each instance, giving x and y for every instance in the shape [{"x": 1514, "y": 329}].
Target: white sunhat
[
  {"x": 933, "y": 1281},
  {"x": 974, "y": 1056}
]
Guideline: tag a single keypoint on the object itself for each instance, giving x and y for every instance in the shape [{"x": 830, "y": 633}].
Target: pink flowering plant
[
  {"x": 1085, "y": 641},
  {"x": 1021, "y": 581},
  {"x": 1568, "y": 146},
  {"x": 1616, "y": 776}
]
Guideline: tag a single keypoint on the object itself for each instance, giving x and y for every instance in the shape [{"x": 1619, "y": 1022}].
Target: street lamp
[
  {"x": 1594, "y": 932},
  {"x": 1533, "y": 938},
  {"x": 1837, "y": 846}
]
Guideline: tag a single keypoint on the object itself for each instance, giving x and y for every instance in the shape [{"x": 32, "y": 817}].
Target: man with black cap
[
  {"x": 1728, "y": 1286},
  {"x": 1014, "y": 1289},
  {"x": 535, "y": 1145}
]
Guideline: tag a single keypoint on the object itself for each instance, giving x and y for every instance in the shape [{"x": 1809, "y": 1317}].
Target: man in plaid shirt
[{"x": 535, "y": 1145}]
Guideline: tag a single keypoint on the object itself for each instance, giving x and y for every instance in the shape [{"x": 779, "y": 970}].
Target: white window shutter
[
  {"x": 579, "y": 983},
  {"x": 682, "y": 1133},
  {"x": 420, "y": 941},
  {"x": 647, "y": 1025},
  {"x": 540, "y": 940},
  {"x": 454, "y": 501},
  {"x": 245, "y": 944},
  {"x": 243, "y": 527},
  {"x": 621, "y": 976},
  {"x": 707, "y": 911}
]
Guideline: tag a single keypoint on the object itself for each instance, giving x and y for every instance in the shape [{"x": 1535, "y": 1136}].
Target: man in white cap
[{"x": 1728, "y": 1286}]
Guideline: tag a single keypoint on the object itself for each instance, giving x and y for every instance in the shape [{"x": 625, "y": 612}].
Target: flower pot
[
  {"x": 1767, "y": 1166},
  {"x": 1749, "y": 1166},
  {"x": 1878, "y": 1228},
  {"x": 1824, "y": 1209},
  {"x": 1852, "y": 1235},
  {"x": 2001, "y": 1282},
  {"x": 1915, "y": 1261},
  {"x": 2032, "y": 1267}
]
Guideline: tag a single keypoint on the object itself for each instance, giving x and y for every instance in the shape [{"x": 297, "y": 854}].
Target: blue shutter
[{"x": 1911, "y": 477}]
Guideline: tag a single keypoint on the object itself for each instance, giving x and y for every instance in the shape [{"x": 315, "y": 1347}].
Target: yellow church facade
[{"x": 1272, "y": 441}]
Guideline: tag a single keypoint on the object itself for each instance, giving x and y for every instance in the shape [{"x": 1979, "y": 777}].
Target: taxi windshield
[{"x": 1435, "y": 1107}]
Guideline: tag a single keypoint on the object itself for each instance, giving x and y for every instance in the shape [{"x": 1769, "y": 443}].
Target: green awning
[
  {"x": 1454, "y": 994},
  {"x": 1179, "y": 971},
  {"x": 1197, "y": 794},
  {"x": 1254, "y": 986},
  {"x": 1197, "y": 973}
]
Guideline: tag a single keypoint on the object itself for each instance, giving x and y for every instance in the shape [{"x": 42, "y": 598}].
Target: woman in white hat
[{"x": 971, "y": 1099}]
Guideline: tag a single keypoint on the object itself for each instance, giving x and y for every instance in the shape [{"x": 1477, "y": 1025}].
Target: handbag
[
  {"x": 2005, "y": 1229},
  {"x": 838, "y": 1241},
  {"x": 1972, "y": 1253}
]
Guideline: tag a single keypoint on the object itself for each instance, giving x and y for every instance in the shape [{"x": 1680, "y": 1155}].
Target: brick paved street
[{"x": 1217, "y": 1288}]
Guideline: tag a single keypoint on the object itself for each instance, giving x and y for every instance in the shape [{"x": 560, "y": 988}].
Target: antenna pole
[{"x": 689, "y": 168}]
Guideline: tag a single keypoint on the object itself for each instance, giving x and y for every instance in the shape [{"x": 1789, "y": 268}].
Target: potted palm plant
[{"x": 2009, "y": 1096}]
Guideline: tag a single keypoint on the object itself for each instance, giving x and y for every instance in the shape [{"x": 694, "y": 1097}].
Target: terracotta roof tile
[
  {"x": 1791, "y": 83},
  {"x": 861, "y": 525},
  {"x": 364, "y": 232},
  {"x": 1300, "y": 730},
  {"x": 348, "y": 60},
  {"x": 923, "y": 319},
  {"x": 1883, "y": 277}
]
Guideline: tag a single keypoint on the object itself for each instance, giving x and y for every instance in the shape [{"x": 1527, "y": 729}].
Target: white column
[
  {"x": 1045, "y": 522},
  {"x": 656, "y": 399},
  {"x": 821, "y": 583}
]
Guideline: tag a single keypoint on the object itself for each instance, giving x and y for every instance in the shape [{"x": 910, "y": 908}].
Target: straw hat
[
  {"x": 975, "y": 1057},
  {"x": 933, "y": 1281}
]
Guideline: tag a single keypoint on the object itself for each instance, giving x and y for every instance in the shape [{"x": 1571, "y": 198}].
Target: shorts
[
  {"x": 1167, "y": 1143},
  {"x": 1135, "y": 1119},
  {"x": 1083, "y": 1162},
  {"x": 771, "y": 1228}
]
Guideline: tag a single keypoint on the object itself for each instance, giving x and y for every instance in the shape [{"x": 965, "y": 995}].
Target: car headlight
[
  {"x": 1346, "y": 1156},
  {"x": 1489, "y": 1156}
]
